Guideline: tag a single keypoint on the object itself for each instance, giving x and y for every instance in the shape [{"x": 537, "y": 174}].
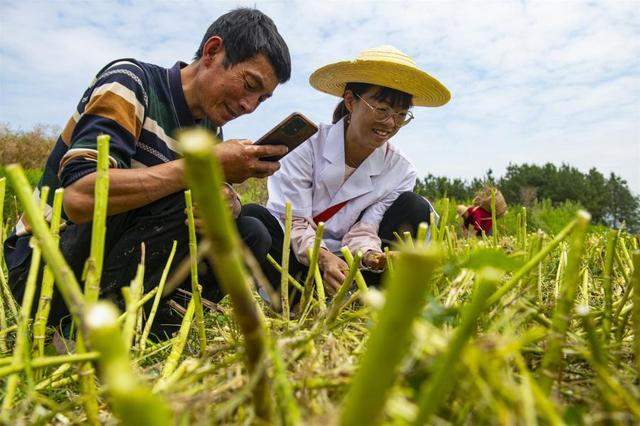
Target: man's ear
[{"x": 213, "y": 46}]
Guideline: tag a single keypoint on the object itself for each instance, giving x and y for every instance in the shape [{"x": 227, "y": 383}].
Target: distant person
[
  {"x": 349, "y": 175},
  {"x": 477, "y": 218},
  {"x": 241, "y": 60}
]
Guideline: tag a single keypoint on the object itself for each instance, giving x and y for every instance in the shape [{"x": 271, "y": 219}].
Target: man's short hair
[{"x": 247, "y": 33}]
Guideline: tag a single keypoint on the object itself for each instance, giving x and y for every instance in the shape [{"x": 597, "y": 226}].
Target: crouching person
[
  {"x": 241, "y": 60},
  {"x": 349, "y": 175}
]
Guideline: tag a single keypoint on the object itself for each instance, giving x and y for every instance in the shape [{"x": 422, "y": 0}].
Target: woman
[
  {"x": 348, "y": 175},
  {"x": 477, "y": 218}
]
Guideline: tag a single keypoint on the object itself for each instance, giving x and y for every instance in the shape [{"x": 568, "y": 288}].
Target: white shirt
[{"x": 312, "y": 177}]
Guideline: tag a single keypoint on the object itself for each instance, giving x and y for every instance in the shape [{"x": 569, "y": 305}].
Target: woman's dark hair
[
  {"x": 393, "y": 97},
  {"x": 247, "y": 33}
]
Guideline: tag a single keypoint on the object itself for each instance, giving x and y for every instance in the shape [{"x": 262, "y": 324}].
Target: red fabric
[
  {"x": 328, "y": 213},
  {"x": 480, "y": 219}
]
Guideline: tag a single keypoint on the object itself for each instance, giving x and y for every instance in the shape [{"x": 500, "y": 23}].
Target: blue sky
[{"x": 536, "y": 82}]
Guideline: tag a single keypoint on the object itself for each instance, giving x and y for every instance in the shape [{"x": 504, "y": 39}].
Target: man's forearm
[{"x": 128, "y": 189}]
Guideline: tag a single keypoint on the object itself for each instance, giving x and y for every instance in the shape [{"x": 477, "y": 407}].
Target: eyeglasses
[{"x": 400, "y": 119}]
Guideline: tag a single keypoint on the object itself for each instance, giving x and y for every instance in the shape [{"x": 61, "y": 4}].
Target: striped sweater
[{"x": 140, "y": 106}]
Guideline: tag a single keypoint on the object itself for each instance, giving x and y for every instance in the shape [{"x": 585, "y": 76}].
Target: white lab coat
[{"x": 312, "y": 178}]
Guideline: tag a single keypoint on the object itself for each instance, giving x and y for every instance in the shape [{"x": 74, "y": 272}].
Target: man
[{"x": 240, "y": 61}]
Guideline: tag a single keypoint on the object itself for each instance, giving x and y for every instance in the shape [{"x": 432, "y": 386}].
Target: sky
[{"x": 531, "y": 81}]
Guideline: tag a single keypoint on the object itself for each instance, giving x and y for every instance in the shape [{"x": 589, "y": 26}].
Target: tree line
[{"x": 608, "y": 199}]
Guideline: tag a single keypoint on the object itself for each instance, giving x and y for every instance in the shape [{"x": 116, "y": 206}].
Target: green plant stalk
[
  {"x": 390, "y": 266},
  {"x": 338, "y": 300},
  {"x": 98, "y": 227},
  {"x": 131, "y": 297},
  {"x": 421, "y": 235},
  {"x": 132, "y": 403},
  {"x": 46, "y": 289},
  {"x": 435, "y": 390},
  {"x": 3, "y": 318},
  {"x": 552, "y": 360},
  {"x": 322, "y": 304},
  {"x": 286, "y": 251},
  {"x": 584, "y": 287},
  {"x": 627, "y": 291},
  {"x": 204, "y": 172},
  {"x": 290, "y": 279},
  {"x": 448, "y": 237},
  {"x": 88, "y": 385},
  {"x": 519, "y": 230},
  {"x": 93, "y": 270},
  {"x": 598, "y": 355},
  {"x": 612, "y": 239},
  {"x": 64, "y": 277},
  {"x": 524, "y": 229},
  {"x": 391, "y": 337},
  {"x": 8, "y": 297},
  {"x": 620, "y": 329},
  {"x": 307, "y": 293},
  {"x": 179, "y": 343},
  {"x": 537, "y": 258},
  {"x": 360, "y": 282},
  {"x": 532, "y": 276},
  {"x": 616, "y": 388},
  {"x": 21, "y": 352},
  {"x": 157, "y": 298},
  {"x": 8, "y": 330},
  {"x": 3, "y": 188},
  {"x": 493, "y": 217},
  {"x": 188, "y": 366},
  {"x": 6, "y": 292},
  {"x": 408, "y": 239},
  {"x": 196, "y": 294},
  {"x": 443, "y": 221},
  {"x": 21, "y": 346},
  {"x": 140, "y": 303},
  {"x": 433, "y": 225},
  {"x": 288, "y": 409},
  {"x": 3, "y": 326},
  {"x": 546, "y": 407},
  {"x": 48, "y": 361},
  {"x": 635, "y": 283},
  {"x": 562, "y": 265}
]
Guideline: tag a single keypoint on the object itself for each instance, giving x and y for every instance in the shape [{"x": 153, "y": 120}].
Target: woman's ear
[{"x": 349, "y": 99}]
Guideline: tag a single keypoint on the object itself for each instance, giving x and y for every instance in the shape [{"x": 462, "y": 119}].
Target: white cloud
[{"x": 532, "y": 81}]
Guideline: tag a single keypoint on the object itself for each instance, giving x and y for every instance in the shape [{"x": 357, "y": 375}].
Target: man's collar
[{"x": 177, "y": 94}]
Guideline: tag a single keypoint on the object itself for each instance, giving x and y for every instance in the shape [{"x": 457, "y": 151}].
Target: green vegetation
[
  {"x": 610, "y": 201},
  {"x": 533, "y": 327}
]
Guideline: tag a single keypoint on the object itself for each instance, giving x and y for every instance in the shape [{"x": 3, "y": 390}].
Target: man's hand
[
  {"x": 334, "y": 270},
  {"x": 234, "y": 205},
  {"x": 240, "y": 159},
  {"x": 232, "y": 199}
]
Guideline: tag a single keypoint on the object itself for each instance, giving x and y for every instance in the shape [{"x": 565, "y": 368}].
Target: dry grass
[{"x": 29, "y": 148}]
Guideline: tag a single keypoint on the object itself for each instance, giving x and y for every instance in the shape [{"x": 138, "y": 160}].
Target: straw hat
[
  {"x": 383, "y": 66},
  {"x": 461, "y": 209},
  {"x": 483, "y": 199}
]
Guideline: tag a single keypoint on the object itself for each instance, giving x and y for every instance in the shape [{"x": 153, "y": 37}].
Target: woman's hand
[
  {"x": 374, "y": 260},
  {"x": 333, "y": 269}
]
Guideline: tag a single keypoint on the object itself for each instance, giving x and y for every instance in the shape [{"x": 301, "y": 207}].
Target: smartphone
[{"x": 291, "y": 131}]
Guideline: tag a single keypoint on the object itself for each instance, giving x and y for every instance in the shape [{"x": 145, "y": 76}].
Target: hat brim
[{"x": 426, "y": 90}]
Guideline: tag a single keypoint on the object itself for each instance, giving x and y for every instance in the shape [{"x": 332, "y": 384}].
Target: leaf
[{"x": 494, "y": 258}]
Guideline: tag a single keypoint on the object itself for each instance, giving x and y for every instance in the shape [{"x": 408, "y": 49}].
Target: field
[{"x": 528, "y": 326}]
